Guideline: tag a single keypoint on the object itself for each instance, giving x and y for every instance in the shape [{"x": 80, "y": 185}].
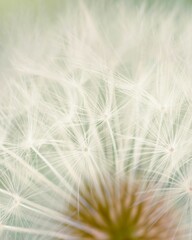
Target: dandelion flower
[{"x": 95, "y": 120}]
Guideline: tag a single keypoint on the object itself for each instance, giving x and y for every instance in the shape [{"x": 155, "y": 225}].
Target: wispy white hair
[{"x": 92, "y": 88}]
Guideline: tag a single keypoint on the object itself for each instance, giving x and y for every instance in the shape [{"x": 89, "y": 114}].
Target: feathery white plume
[{"x": 91, "y": 89}]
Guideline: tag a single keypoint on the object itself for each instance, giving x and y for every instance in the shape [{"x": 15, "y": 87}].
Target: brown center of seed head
[{"x": 120, "y": 211}]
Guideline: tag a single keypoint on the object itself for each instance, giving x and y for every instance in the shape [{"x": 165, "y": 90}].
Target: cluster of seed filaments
[{"x": 112, "y": 211}]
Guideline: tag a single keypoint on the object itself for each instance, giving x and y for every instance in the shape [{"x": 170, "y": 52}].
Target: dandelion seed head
[{"x": 91, "y": 90}]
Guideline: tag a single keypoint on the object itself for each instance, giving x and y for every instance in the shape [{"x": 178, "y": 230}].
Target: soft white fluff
[{"x": 98, "y": 87}]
